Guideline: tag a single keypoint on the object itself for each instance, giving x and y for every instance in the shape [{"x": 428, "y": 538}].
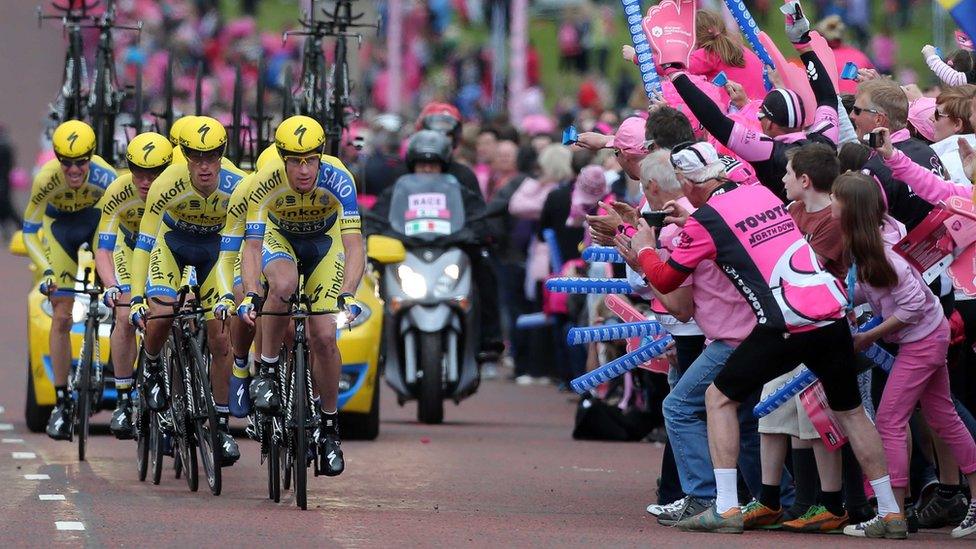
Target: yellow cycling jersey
[
  {"x": 173, "y": 201},
  {"x": 271, "y": 198},
  {"x": 232, "y": 237},
  {"x": 51, "y": 196},
  {"x": 122, "y": 209}
]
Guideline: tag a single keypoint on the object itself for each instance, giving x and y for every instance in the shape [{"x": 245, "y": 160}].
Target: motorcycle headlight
[
  {"x": 342, "y": 320},
  {"x": 412, "y": 282},
  {"x": 447, "y": 280}
]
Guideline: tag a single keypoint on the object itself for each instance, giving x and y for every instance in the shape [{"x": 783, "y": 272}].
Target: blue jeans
[{"x": 684, "y": 418}]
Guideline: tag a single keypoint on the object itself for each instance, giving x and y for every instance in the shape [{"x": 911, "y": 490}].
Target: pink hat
[
  {"x": 535, "y": 124},
  {"x": 630, "y": 137},
  {"x": 590, "y": 187},
  {"x": 920, "y": 114}
]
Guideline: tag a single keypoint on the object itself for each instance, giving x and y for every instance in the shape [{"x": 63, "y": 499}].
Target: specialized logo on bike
[{"x": 782, "y": 223}]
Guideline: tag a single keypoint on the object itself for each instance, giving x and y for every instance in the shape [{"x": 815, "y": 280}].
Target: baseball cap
[
  {"x": 629, "y": 137},
  {"x": 697, "y": 161},
  {"x": 920, "y": 116},
  {"x": 783, "y": 107}
]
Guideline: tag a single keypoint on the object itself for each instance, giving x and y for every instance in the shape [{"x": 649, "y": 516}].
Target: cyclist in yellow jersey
[
  {"x": 185, "y": 212},
  {"x": 296, "y": 207},
  {"x": 122, "y": 207},
  {"x": 62, "y": 202}
]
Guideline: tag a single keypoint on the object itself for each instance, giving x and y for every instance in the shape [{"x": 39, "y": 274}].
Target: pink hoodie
[
  {"x": 926, "y": 184},
  {"x": 709, "y": 64}
]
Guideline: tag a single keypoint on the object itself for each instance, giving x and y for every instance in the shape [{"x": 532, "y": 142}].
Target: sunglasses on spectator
[
  {"x": 72, "y": 162},
  {"x": 294, "y": 160},
  {"x": 939, "y": 114},
  {"x": 855, "y": 110}
]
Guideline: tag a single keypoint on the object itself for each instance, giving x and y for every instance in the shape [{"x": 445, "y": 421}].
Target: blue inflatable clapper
[
  {"x": 613, "y": 332},
  {"x": 555, "y": 260},
  {"x": 793, "y": 386},
  {"x": 570, "y": 135},
  {"x": 750, "y": 29},
  {"x": 645, "y": 60},
  {"x": 532, "y": 320},
  {"x": 938, "y": 51},
  {"x": 579, "y": 285},
  {"x": 850, "y": 71},
  {"x": 720, "y": 79},
  {"x": 619, "y": 366},
  {"x": 880, "y": 357},
  {"x": 602, "y": 254}
]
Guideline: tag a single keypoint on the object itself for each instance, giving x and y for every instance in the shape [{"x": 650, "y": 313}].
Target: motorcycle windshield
[{"x": 427, "y": 207}]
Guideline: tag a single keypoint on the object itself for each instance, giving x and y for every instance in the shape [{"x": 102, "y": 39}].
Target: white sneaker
[
  {"x": 657, "y": 509},
  {"x": 968, "y": 524}
]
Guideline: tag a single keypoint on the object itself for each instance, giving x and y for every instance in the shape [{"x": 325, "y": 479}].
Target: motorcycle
[{"x": 432, "y": 323}]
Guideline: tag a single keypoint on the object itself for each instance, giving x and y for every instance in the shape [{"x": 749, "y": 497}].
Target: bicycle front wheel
[
  {"x": 300, "y": 406},
  {"x": 84, "y": 388},
  {"x": 184, "y": 446},
  {"x": 205, "y": 420},
  {"x": 142, "y": 424}
]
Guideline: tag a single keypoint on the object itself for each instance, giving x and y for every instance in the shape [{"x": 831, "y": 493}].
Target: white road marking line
[
  {"x": 69, "y": 525},
  {"x": 6, "y": 426},
  {"x": 24, "y": 455},
  {"x": 50, "y": 497},
  {"x": 12, "y": 441},
  {"x": 38, "y": 477}
]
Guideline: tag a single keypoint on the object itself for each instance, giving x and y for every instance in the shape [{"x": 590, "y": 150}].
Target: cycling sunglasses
[
  {"x": 72, "y": 162},
  {"x": 199, "y": 157},
  {"x": 147, "y": 172},
  {"x": 295, "y": 160}
]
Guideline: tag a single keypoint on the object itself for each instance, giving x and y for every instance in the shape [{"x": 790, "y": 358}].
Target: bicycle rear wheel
[
  {"x": 156, "y": 448},
  {"x": 300, "y": 405},
  {"x": 84, "y": 389},
  {"x": 273, "y": 460},
  {"x": 205, "y": 420}
]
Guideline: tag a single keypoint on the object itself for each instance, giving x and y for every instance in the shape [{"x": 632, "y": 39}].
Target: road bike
[
  {"x": 322, "y": 96},
  {"x": 288, "y": 440},
  {"x": 86, "y": 381},
  {"x": 186, "y": 362},
  {"x": 102, "y": 103}
]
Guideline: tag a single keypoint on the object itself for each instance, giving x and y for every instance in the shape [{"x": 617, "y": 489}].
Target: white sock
[
  {"x": 726, "y": 488},
  {"x": 886, "y": 498}
]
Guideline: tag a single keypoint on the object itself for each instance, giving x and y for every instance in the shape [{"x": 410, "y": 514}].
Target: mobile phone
[
  {"x": 875, "y": 140},
  {"x": 570, "y": 135},
  {"x": 655, "y": 218}
]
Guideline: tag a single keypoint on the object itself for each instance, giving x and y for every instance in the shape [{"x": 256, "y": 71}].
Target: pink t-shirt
[
  {"x": 708, "y": 64},
  {"x": 749, "y": 233}
]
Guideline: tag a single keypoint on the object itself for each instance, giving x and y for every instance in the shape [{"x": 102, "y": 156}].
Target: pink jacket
[
  {"x": 708, "y": 64},
  {"x": 926, "y": 184},
  {"x": 528, "y": 199},
  {"x": 909, "y": 300}
]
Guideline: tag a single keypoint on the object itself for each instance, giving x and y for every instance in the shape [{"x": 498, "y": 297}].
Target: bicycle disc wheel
[
  {"x": 205, "y": 421},
  {"x": 300, "y": 405},
  {"x": 84, "y": 390}
]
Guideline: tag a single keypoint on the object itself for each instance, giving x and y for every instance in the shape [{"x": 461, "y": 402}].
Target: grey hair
[
  {"x": 556, "y": 162},
  {"x": 657, "y": 167}
]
